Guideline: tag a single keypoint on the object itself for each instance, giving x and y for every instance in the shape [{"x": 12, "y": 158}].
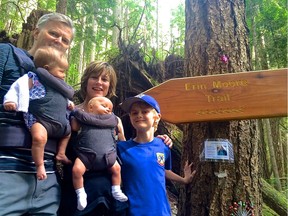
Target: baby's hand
[
  {"x": 71, "y": 105},
  {"x": 10, "y": 106}
]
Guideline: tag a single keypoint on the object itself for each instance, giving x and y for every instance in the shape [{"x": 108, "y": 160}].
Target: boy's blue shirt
[{"x": 143, "y": 176}]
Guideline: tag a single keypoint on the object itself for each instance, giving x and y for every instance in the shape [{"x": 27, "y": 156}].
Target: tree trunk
[
  {"x": 117, "y": 19},
  {"x": 157, "y": 24},
  {"x": 61, "y": 6},
  {"x": 272, "y": 153},
  {"x": 94, "y": 29},
  {"x": 81, "y": 64},
  {"x": 283, "y": 134},
  {"x": 254, "y": 9},
  {"x": 264, "y": 55},
  {"x": 278, "y": 146},
  {"x": 25, "y": 39},
  {"x": 213, "y": 29},
  {"x": 265, "y": 167}
]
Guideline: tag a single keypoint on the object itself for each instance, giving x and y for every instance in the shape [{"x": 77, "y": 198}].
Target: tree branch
[{"x": 18, "y": 8}]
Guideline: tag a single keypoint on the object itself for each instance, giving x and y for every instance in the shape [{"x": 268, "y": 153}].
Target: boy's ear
[{"x": 157, "y": 117}]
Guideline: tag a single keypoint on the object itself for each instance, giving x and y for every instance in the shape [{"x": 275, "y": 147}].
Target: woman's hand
[
  {"x": 166, "y": 139},
  {"x": 188, "y": 174}
]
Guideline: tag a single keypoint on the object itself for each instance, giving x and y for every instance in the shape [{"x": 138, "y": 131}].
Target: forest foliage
[
  {"x": 101, "y": 23},
  {"x": 104, "y": 27}
]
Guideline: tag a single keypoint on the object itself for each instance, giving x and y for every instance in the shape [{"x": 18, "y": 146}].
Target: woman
[{"x": 99, "y": 79}]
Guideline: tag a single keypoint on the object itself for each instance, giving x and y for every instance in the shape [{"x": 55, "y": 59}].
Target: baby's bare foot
[{"x": 41, "y": 172}]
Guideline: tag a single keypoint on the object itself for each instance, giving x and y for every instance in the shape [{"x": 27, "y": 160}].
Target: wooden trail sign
[{"x": 245, "y": 95}]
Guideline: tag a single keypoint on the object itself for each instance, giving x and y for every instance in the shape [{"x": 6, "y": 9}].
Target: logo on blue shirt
[{"x": 160, "y": 158}]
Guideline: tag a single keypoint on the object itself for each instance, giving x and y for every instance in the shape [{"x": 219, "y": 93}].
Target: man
[{"x": 21, "y": 192}]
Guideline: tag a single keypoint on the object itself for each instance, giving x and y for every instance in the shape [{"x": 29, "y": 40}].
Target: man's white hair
[{"x": 58, "y": 17}]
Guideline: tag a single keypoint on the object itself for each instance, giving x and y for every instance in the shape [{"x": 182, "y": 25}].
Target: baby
[{"x": 96, "y": 149}]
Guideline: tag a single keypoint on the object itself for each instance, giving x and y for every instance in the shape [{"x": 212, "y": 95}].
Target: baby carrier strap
[
  {"x": 55, "y": 83},
  {"x": 20, "y": 137},
  {"x": 106, "y": 120},
  {"x": 25, "y": 62}
]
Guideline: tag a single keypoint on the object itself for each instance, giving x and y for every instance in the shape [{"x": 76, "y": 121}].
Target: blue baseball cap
[{"x": 126, "y": 105}]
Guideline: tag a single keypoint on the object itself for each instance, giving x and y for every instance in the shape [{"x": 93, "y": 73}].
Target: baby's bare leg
[
  {"x": 116, "y": 183},
  {"x": 61, "y": 154},
  {"x": 39, "y": 139},
  {"x": 116, "y": 173},
  {"x": 77, "y": 175},
  {"x": 78, "y": 171}
]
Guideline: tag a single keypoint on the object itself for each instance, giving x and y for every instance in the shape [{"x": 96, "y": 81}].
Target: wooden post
[{"x": 245, "y": 95}]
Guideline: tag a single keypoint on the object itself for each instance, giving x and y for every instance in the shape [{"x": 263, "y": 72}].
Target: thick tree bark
[
  {"x": 213, "y": 29},
  {"x": 25, "y": 39}
]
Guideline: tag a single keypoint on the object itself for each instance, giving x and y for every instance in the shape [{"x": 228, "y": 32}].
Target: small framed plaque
[{"x": 218, "y": 150}]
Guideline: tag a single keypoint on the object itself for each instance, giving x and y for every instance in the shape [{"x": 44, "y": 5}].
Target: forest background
[{"x": 128, "y": 34}]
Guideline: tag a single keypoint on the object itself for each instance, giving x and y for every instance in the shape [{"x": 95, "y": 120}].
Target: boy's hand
[
  {"x": 10, "y": 106},
  {"x": 166, "y": 139},
  {"x": 188, "y": 174}
]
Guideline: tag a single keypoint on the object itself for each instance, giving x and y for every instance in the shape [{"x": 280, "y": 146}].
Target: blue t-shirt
[{"x": 143, "y": 176}]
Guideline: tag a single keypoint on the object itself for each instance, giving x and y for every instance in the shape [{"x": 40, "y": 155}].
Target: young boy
[
  {"x": 146, "y": 160},
  {"x": 42, "y": 96},
  {"x": 96, "y": 148}
]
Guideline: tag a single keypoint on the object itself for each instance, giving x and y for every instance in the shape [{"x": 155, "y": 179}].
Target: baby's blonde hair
[{"x": 49, "y": 56}]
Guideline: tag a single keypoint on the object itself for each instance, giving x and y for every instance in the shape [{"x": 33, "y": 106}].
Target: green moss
[{"x": 266, "y": 211}]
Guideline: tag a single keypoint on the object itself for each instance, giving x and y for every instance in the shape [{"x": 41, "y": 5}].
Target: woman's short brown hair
[{"x": 97, "y": 68}]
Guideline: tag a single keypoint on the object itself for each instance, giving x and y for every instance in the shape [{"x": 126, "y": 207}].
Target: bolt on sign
[{"x": 245, "y": 95}]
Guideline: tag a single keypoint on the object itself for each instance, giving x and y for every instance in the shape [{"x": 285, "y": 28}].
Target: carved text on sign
[
  {"x": 221, "y": 111},
  {"x": 230, "y": 84},
  {"x": 233, "y": 96}
]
